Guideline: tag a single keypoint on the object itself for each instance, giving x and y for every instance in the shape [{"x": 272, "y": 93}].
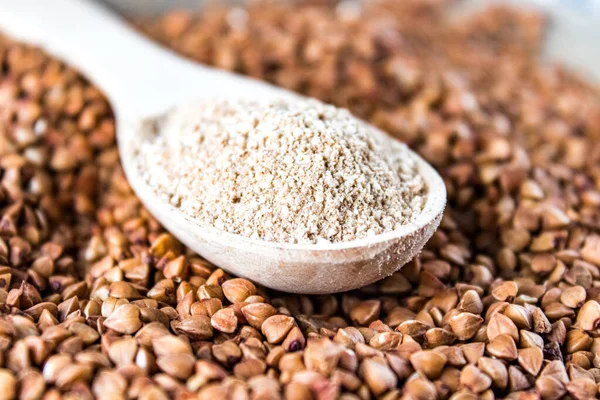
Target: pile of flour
[{"x": 281, "y": 171}]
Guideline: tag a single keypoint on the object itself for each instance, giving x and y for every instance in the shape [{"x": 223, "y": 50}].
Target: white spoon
[{"x": 143, "y": 80}]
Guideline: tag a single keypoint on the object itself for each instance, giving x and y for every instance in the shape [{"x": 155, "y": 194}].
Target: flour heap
[{"x": 284, "y": 171}]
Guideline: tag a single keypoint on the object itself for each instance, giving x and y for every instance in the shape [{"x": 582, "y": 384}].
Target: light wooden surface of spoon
[{"x": 142, "y": 80}]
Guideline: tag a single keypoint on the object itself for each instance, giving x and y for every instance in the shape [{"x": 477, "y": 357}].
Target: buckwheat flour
[{"x": 284, "y": 171}]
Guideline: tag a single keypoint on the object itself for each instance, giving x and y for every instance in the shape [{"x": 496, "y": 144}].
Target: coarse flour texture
[{"x": 282, "y": 171}]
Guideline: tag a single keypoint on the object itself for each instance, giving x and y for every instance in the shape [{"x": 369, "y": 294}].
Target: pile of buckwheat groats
[{"x": 97, "y": 300}]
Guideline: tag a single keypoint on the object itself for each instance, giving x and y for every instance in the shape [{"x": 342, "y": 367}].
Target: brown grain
[{"x": 501, "y": 303}]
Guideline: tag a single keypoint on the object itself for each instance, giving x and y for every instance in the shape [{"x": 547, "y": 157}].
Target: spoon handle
[{"x": 139, "y": 77}]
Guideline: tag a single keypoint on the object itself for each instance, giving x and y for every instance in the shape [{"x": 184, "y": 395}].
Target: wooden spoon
[{"x": 143, "y": 80}]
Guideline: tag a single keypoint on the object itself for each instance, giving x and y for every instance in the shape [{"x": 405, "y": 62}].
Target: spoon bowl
[
  {"x": 298, "y": 268},
  {"x": 142, "y": 80}
]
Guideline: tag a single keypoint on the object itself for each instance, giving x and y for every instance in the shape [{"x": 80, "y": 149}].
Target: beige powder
[{"x": 294, "y": 172}]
